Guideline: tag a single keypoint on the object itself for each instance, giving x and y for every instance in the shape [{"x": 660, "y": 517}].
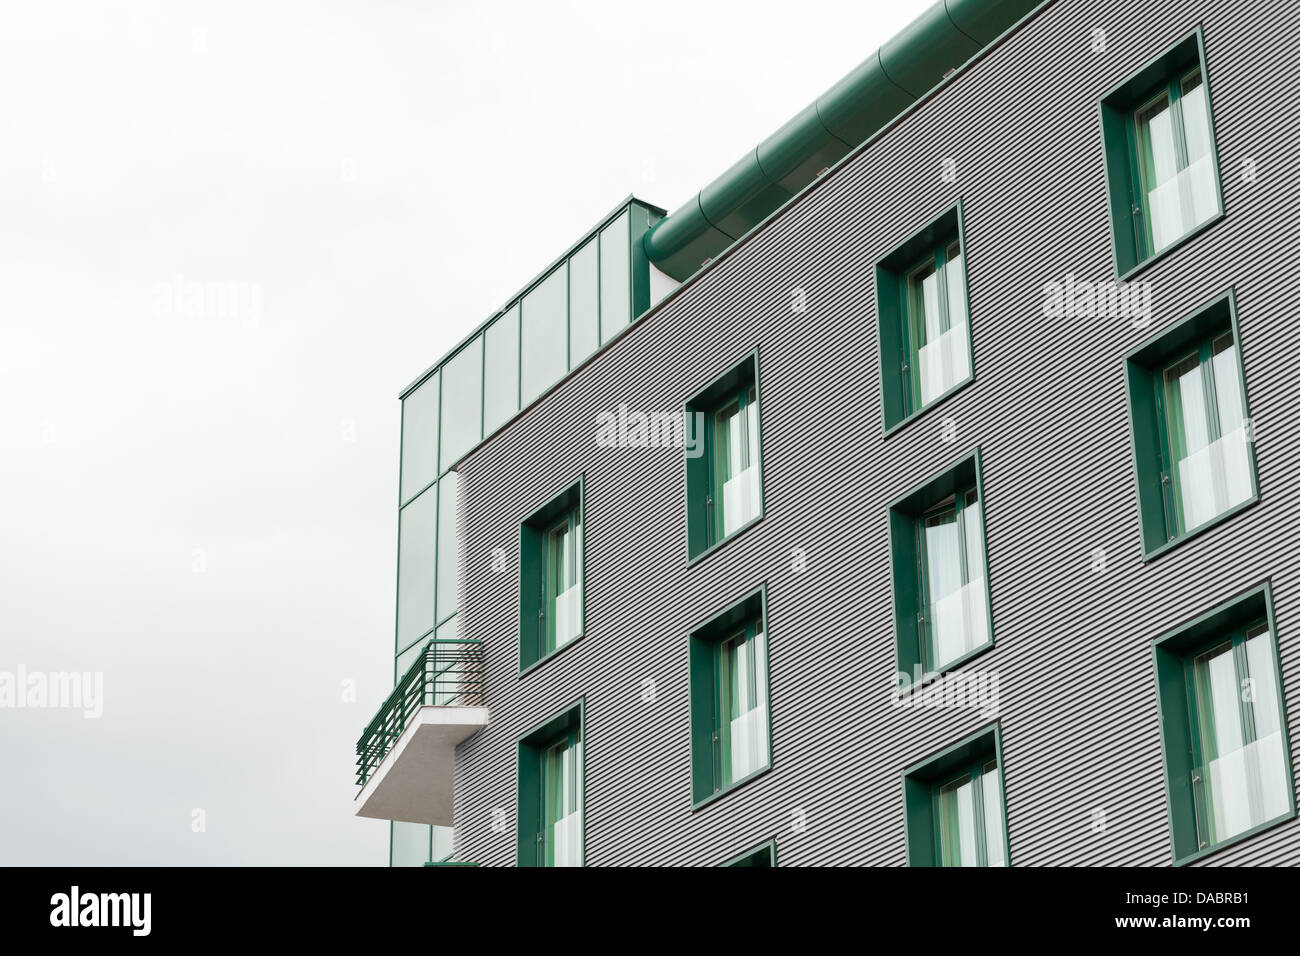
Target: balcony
[{"x": 406, "y": 759}]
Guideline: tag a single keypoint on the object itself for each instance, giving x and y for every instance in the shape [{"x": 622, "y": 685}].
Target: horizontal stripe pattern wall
[{"x": 1048, "y": 412}]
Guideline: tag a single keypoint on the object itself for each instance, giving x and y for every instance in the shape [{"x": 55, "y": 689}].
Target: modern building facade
[{"x": 922, "y": 492}]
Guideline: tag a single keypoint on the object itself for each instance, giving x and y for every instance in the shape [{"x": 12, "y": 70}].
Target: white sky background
[{"x": 383, "y": 176}]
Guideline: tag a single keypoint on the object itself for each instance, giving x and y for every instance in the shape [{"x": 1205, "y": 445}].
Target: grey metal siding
[{"x": 1047, "y": 409}]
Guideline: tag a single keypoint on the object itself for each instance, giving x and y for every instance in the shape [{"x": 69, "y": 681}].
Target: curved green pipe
[{"x": 824, "y": 132}]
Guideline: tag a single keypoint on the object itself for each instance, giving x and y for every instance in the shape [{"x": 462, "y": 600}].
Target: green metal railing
[{"x": 448, "y": 673}]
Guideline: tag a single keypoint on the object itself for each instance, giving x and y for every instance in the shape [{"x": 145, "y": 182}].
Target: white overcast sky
[{"x": 202, "y": 507}]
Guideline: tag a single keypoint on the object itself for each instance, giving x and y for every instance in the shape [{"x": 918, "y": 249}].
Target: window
[
  {"x": 938, "y": 346},
  {"x": 764, "y": 855},
  {"x": 724, "y": 481},
  {"x": 925, "y": 343},
  {"x": 941, "y": 596},
  {"x": 551, "y": 604},
  {"x": 550, "y": 793},
  {"x": 1204, "y": 424},
  {"x": 1160, "y": 155},
  {"x": 955, "y": 812},
  {"x": 1192, "y": 438},
  {"x": 729, "y": 699},
  {"x": 1227, "y": 753}
]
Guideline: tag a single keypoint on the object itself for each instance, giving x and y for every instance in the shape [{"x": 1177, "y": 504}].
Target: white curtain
[
  {"x": 944, "y": 362},
  {"x": 567, "y": 831},
  {"x": 740, "y": 493},
  {"x": 1215, "y": 477},
  {"x": 749, "y": 728}
]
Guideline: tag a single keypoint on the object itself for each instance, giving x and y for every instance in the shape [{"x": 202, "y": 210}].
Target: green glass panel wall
[
  {"x": 615, "y": 277},
  {"x": 501, "y": 371},
  {"x": 407, "y": 658},
  {"x": 584, "y": 303},
  {"x": 420, "y": 437},
  {"x": 545, "y": 335},
  {"x": 442, "y": 843},
  {"x": 415, "y": 567},
  {"x": 554, "y": 325},
  {"x": 462, "y": 422},
  {"x": 410, "y": 844}
]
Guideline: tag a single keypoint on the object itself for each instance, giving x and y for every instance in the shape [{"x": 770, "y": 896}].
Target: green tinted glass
[
  {"x": 410, "y": 844},
  {"x": 415, "y": 571},
  {"x": 462, "y": 408},
  {"x": 584, "y": 303},
  {"x": 420, "y": 437},
  {"x": 501, "y": 371},
  {"x": 545, "y": 335},
  {"x": 615, "y": 278}
]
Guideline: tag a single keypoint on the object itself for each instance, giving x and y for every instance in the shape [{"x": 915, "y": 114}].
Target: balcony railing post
[{"x": 447, "y": 672}]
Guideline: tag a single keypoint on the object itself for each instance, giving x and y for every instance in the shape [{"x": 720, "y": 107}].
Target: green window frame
[
  {"x": 923, "y": 308},
  {"x": 762, "y": 855},
  {"x": 955, "y": 811},
  {"x": 1161, "y": 156},
  {"x": 551, "y": 799},
  {"x": 1223, "y": 725},
  {"x": 730, "y": 694},
  {"x": 551, "y": 580},
  {"x": 943, "y": 613},
  {"x": 1193, "y": 444},
  {"x": 724, "y": 478}
]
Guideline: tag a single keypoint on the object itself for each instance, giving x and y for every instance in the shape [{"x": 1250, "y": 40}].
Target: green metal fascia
[
  {"x": 985, "y": 20},
  {"x": 740, "y": 198},
  {"x": 928, "y": 47},
  {"x": 892, "y": 79},
  {"x": 799, "y": 150},
  {"x": 861, "y": 103}
]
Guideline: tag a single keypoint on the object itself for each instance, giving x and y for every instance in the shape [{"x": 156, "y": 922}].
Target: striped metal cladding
[{"x": 1048, "y": 411}]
